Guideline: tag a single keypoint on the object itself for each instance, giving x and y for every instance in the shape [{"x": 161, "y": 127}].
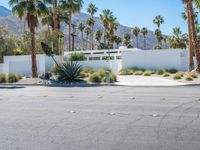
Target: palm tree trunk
[
  {"x": 92, "y": 38},
  {"x": 193, "y": 35},
  {"x": 87, "y": 43},
  {"x": 190, "y": 45},
  {"x": 69, "y": 31},
  {"x": 144, "y": 42},
  {"x": 55, "y": 14},
  {"x": 90, "y": 41},
  {"x": 82, "y": 41},
  {"x": 137, "y": 41},
  {"x": 33, "y": 52}
]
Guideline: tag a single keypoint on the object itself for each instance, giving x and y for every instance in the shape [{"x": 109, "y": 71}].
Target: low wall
[
  {"x": 23, "y": 64},
  {"x": 148, "y": 59},
  {"x": 156, "y": 59}
]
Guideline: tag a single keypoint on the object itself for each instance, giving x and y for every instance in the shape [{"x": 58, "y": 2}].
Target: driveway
[{"x": 131, "y": 80}]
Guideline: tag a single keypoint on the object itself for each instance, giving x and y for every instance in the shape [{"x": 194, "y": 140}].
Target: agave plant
[{"x": 69, "y": 72}]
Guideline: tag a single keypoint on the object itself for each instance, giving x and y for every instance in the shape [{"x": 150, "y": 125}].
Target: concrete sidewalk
[{"x": 131, "y": 80}]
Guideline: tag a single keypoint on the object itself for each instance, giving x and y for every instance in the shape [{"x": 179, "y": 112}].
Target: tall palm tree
[
  {"x": 192, "y": 37},
  {"x": 90, "y": 22},
  {"x": 71, "y": 6},
  {"x": 105, "y": 17},
  {"x": 31, "y": 9},
  {"x": 81, "y": 27},
  {"x": 136, "y": 32},
  {"x": 92, "y": 9},
  {"x": 158, "y": 21},
  {"x": 87, "y": 32},
  {"x": 144, "y": 32},
  {"x": 113, "y": 26},
  {"x": 159, "y": 38},
  {"x": 98, "y": 36}
]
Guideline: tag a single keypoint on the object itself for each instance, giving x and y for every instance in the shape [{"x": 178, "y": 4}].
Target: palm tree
[
  {"x": 136, "y": 32},
  {"x": 71, "y": 6},
  {"x": 159, "y": 38},
  {"x": 126, "y": 41},
  {"x": 92, "y": 9},
  {"x": 31, "y": 9},
  {"x": 117, "y": 40},
  {"x": 105, "y": 17},
  {"x": 112, "y": 26},
  {"x": 158, "y": 21},
  {"x": 81, "y": 27},
  {"x": 90, "y": 22},
  {"x": 192, "y": 37},
  {"x": 144, "y": 32},
  {"x": 190, "y": 46},
  {"x": 179, "y": 40},
  {"x": 98, "y": 36},
  {"x": 87, "y": 32}
]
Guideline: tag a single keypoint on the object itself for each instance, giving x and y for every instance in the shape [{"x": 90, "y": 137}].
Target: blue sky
[{"x": 141, "y": 12}]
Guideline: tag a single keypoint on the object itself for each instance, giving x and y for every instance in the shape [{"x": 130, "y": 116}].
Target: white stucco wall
[
  {"x": 149, "y": 59},
  {"x": 22, "y": 64},
  {"x": 156, "y": 59},
  {"x": 114, "y": 65}
]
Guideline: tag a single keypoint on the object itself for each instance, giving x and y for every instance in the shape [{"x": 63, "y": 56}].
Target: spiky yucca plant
[{"x": 69, "y": 72}]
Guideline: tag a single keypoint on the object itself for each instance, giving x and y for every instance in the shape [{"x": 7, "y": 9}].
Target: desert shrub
[
  {"x": 95, "y": 77},
  {"x": 160, "y": 71},
  {"x": 11, "y": 78},
  {"x": 188, "y": 78},
  {"x": 177, "y": 76},
  {"x": 193, "y": 75},
  {"x": 88, "y": 70},
  {"x": 76, "y": 57},
  {"x": 138, "y": 73},
  {"x": 2, "y": 78},
  {"x": 147, "y": 73},
  {"x": 69, "y": 72},
  {"x": 113, "y": 77},
  {"x": 102, "y": 72},
  {"x": 166, "y": 74},
  {"x": 126, "y": 71},
  {"x": 172, "y": 70},
  {"x": 18, "y": 76},
  {"x": 180, "y": 73}
]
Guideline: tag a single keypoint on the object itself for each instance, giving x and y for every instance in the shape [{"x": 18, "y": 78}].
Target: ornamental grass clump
[
  {"x": 138, "y": 73},
  {"x": 160, "y": 71},
  {"x": 95, "y": 77},
  {"x": 126, "y": 71},
  {"x": 188, "y": 78},
  {"x": 193, "y": 75},
  {"x": 147, "y": 73},
  {"x": 2, "y": 78},
  {"x": 177, "y": 76},
  {"x": 180, "y": 73},
  {"x": 166, "y": 74}
]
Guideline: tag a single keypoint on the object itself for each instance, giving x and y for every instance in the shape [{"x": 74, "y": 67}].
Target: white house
[{"x": 119, "y": 58}]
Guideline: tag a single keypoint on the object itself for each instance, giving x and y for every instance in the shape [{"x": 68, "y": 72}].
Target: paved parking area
[{"x": 100, "y": 118}]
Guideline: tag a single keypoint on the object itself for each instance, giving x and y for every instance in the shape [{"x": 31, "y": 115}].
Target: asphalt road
[{"x": 100, "y": 118}]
